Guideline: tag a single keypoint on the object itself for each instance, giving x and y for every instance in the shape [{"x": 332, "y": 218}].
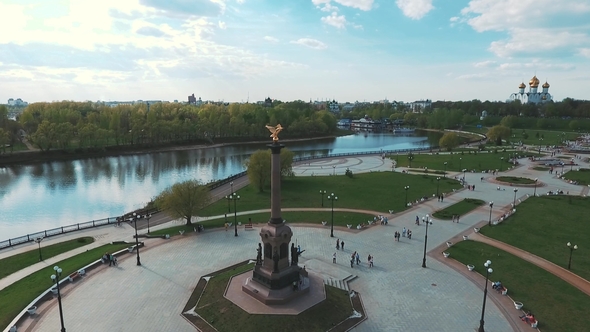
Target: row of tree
[{"x": 71, "y": 125}]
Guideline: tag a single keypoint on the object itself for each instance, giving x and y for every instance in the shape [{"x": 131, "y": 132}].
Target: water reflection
[{"x": 48, "y": 195}]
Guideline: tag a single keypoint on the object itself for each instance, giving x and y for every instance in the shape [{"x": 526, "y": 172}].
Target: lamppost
[
  {"x": 572, "y": 164},
  {"x": 540, "y": 140},
  {"x": 406, "y": 189},
  {"x": 514, "y": 203},
  {"x": 491, "y": 207},
  {"x": 322, "y": 192},
  {"x": 332, "y": 198},
  {"x": 410, "y": 158},
  {"x": 55, "y": 278},
  {"x": 572, "y": 248},
  {"x": 460, "y": 161},
  {"x": 427, "y": 221},
  {"x": 231, "y": 192},
  {"x": 501, "y": 161},
  {"x": 535, "y": 192},
  {"x": 437, "y": 184},
  {"x": 136, "y": 239},
  {"x": 38, "y": 241},
  {"x": 489, "y": 270},
  {"x": 234, "y": 197},
  {"x": 148, "y": 217},
  {"x": 334, "y": 168},
  {"x": 464, "y": 170},
  {"x": 445, "y": 174}
]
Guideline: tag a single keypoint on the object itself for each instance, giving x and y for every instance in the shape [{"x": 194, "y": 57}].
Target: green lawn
[
  {"x": 582, "y": 176},
  {"x": 226, "y": 316},
  {"x": 461, "y": 208},
  {"x": 515, "y": 179},
  {"x": 486, "y": 160},
  {"x": 379, "y": 191},
  {"x": 550, "y": 137},
  {"x": 17, "y": 296},
  {"x": 11, "y": 264},
  {"x": 543, "y": 225},
  {"x": 556, "y": 304},
  {"x": 340, "y": 219}
]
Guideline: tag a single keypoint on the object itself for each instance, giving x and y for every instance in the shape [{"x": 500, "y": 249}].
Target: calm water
[{"x": 48, "y": 195}]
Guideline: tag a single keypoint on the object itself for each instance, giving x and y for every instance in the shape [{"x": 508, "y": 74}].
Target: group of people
[
  {"x": 109, "y": 258},
  {"x": 528, "y": 317},
  {"x": 405, "y": 233},
  {"x": 471, "y": 187},
  {"x": 355, "y": 257},
  {"x": 455, "y": 218}
]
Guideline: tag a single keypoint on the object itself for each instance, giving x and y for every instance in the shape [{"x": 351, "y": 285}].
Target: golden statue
[{"x": 275, "y": 131}]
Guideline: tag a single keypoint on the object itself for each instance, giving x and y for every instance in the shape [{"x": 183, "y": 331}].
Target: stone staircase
[{"x": 340, "y": 283}]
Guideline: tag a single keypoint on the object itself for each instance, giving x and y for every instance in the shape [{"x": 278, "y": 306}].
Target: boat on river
[{"x": 403, "y": 130}]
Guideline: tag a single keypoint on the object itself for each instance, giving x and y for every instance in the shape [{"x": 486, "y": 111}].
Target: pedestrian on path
[
  {"x": 404, "y": 232},
  {"x": 334, "y": 258},
  {"x": 358, "y": 258},
  {"x": 409, "y": 234},
  {"x": 457, "y": 219},
  {"x": 338, "y": 244},
  {"x": 352, "y": 259},
  {"x": 342, "y": 245},
  {"x": 371, "y": 261}
]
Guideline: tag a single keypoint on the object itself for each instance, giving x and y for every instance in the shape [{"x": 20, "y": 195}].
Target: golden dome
[
  {"x": 522, "y": 85},
  {"x": 534, "y": 82},
  {"x": 546, "y": 85}
]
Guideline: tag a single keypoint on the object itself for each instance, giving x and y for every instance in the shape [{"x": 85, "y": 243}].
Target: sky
[{"x": 247, "y": 50}]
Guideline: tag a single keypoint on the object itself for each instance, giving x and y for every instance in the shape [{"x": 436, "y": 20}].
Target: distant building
[
  {"x": 17, "y": 102},
  {"x": 365, "y": 124},
  {"x": 192, "y": 99},
  {"x": 348, "y": 107},
  {"x": 532, "y": 96},
  {"x": 420, "y": 105},
  {"x": 268, "y": 102},
  {"x": 333, "y": 106}
]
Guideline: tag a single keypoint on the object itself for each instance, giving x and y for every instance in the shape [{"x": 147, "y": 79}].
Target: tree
[
  {"x": 184, "y": 199},
  {"x": 259, "y": 167},
  {"x": 497, "y": 133},
  {"x": 449, "y": 141}
]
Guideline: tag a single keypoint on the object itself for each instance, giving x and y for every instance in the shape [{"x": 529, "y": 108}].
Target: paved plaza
[{"x": 399, "y": 295}]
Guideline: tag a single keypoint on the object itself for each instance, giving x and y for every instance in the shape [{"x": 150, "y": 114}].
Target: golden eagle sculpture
[{"x": 275, "y": 130}]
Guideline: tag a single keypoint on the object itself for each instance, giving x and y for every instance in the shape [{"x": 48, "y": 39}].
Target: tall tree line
[{"x": 74, "y": 126}]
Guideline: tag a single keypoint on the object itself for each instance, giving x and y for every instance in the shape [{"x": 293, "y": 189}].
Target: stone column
[{"x": 275, "y": 183}]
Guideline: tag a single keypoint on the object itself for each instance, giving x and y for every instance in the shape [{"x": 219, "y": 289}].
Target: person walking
[
  {"x": 371, "y": 262},
  {"x": 334, "y": 258},
  {"x": 342, "y": 245},
  {"x": 457, "y": 219},
  {"x": 337, "y": 244},
  {"x": 358, "y": 258}
]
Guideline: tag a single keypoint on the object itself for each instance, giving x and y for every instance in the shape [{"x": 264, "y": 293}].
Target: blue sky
[{"x": 297, "y": 49}]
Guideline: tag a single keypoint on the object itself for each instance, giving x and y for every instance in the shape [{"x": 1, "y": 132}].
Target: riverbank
[{"x": 34, "y": 157}]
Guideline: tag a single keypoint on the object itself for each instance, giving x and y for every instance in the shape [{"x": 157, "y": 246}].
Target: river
[{"x": 47, "y": 195}]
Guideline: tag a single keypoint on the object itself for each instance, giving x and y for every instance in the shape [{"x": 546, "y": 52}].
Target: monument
[{"x": 275, "y": 279}]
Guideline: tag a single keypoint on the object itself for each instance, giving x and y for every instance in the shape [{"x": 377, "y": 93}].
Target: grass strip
[
  {"x": 515, "y": 180},
  {"x": 11, "y": 264},
  {"x": 582, "y": 176},
  {"x": 556, "y": 304},
  {"x": 460, "y": 208},
  {"x": 544, "y": 225},
  {"x": 17, "y": 296},
  {"x": 340, "y": 219}
]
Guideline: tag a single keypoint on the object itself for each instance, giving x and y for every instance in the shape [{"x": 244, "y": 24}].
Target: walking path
[{"x": 398, "y": 294}]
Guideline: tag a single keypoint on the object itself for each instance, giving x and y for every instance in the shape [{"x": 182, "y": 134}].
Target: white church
[{"x": 532, "y": 96}]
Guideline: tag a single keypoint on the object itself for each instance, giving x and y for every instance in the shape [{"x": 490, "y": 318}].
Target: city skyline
[{"x": 239, "y": 50}]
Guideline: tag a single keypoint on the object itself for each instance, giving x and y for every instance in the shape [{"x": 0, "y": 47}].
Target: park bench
[
  {"x": 74, "y": 276},
  {"x": 248, "y": 226}
]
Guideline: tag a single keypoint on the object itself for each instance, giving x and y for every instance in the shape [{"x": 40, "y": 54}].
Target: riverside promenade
[{"x": 399, "y": 295}]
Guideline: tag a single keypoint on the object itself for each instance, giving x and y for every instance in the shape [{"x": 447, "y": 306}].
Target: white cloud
[
  {"x": 540, "y": 27},
  {"x": 538, "y": 42},
  {"x": 222, "y": 25},
  {"x": 415, "y": 9},
  {"x": 271, "y": 39},
  {"x": 535, "y": 65},
  {"x": 487, "y": 63},
  {"x": 328, "y": 8},
  {"x": 335, "y": 20},
  {"x": 311, "y": 43},
  {"x": 358, "y": 4},
  {"x": 584, "y": 52}
]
